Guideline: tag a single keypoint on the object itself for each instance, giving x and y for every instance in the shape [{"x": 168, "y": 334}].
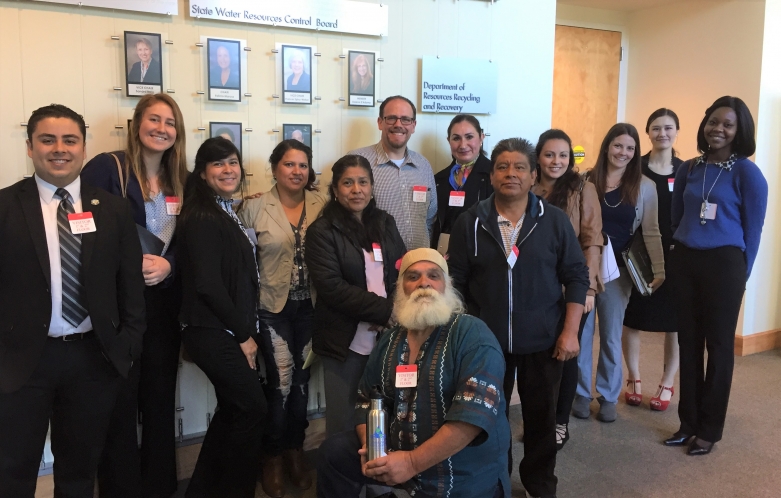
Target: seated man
[{"x": 448, "y": 435}]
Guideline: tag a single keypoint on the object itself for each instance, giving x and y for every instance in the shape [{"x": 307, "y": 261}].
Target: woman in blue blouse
[
  {"x": 718, "y": 208},
  {"x": 150, "y": 173}
]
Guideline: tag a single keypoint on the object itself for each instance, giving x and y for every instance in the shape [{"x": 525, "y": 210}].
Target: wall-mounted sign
[
  {"x": 344, "y": 16},
  {"x": 580, "y": 154},
  {"x": 169, "y": 7},
  {"x": 458, "y": 86}
]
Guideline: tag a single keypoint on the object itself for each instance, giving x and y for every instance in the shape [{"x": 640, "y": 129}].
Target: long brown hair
[
  {"x": 630, "y": 181},
  {"x": 569, "y": 181},
  {"x": 173, "y": 165}
]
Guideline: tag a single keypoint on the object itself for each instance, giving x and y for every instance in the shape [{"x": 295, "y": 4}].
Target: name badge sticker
[
  {"x": 670, "y": 183},
  {"x": 172, "y": 206},
  {"x": 708, "y": 210},
  {"x": 513, "y": 257},
  {"x": 419, "y": 193},
  {"x": 457, "y": 198},
  {"x": 407, "y": 376},
  {"x": 82, "y": 223},
  {"x": 377, "y": 252}
]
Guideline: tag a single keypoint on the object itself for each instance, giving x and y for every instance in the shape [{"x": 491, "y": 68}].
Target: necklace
[
  {"x": 612, "y": 206},
  {"x": 705, "y": 203}
]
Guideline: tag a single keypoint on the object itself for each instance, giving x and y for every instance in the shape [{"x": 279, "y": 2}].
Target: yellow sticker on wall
[{"x": 580, "y": 154}]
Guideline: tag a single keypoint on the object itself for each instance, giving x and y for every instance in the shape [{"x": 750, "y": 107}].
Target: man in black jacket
[
  {"x": 71, "y": 311},
  {"x": 509, "y": 256}
]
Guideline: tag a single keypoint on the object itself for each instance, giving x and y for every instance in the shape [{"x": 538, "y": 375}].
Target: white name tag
[
  {"x": 172, "y": 206},
  {"x": 513, "y": 257},
  {"x": 407, "y": 376},
  {"x": 418, "y": 194},
  {"x": 670, "y": 183},
  {"x": 708, "y": 210},
  {"x": 377, "y": 252},
  {"x": 457, "y": 198},
  {"x": 82, "y": 223}
]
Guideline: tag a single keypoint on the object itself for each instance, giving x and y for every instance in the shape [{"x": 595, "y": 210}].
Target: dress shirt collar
[
  {"x": 46, "y": 190},
  {"x": 382, "y": 156}
]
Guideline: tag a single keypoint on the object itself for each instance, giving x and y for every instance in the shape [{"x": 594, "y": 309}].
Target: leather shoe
[
  {"x": 677, "y": 439},
  {"x": 273, "y": 479},
  {"x": 297, "y": 468},
  {"x": 699, "y": 447}
]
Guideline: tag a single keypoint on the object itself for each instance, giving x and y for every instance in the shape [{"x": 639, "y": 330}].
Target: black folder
[
  {"x": 150, "y": 243},
  {"x": 638, "y": 264}
]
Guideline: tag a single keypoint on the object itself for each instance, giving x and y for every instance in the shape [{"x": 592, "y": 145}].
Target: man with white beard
[{"x": 448, "y": 435}]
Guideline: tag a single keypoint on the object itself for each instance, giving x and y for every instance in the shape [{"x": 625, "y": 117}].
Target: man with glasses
[{"x": 403, "y": 179}]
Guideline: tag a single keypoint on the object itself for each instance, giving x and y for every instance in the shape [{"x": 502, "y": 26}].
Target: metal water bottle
[{"x": 376, "y": 427}]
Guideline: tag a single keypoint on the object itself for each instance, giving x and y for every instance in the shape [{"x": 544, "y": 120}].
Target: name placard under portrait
[
  {"x": 143, "y": 63},
  {"x": 224, "y": 68},
  {"x": 297, "y": 75},
  {"x": 361, "y": 75}
]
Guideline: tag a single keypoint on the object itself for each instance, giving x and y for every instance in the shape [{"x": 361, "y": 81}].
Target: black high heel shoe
[
  {"x": 678, "y": 439},
  {"x": 699, "y": 447}
]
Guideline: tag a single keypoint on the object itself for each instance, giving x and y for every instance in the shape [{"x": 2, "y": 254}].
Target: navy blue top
[
  {"x": 617, "y": 222},
  {"x": 741, "y": 197},
  {"x": 304, "y": 83}
]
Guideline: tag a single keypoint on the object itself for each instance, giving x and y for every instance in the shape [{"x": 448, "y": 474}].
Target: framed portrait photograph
[
  {"x": 300, "y": 132},
  {"x": 361, "y": 78},
  {"x": 296, "y": 74},
  {"x": 224, "y": 68},
  {"x": 231, "y": 131},
  {"x": 143, "y": 63}
]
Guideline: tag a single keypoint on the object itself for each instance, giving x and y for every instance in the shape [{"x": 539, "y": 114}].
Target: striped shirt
[
  {"x": 393, "y": 187},
  {"x": 509, "y": 232}
]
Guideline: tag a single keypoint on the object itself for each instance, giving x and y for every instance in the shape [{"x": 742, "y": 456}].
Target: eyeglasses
[{"x": 391, "y": 120}]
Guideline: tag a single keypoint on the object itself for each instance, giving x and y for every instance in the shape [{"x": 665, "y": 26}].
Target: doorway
[{"x": 586, "y": 71}]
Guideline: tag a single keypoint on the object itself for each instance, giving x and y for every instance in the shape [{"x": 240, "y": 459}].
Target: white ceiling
[{"x": 629, "y": 5}]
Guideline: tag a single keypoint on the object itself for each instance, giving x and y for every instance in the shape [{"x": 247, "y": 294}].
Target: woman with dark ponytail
[
  {"x": 560, "y": 184},
  {"x": 718, "y": 209}
]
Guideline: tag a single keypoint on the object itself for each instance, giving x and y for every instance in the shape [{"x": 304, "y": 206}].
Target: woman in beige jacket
[
  {"x": 560, "y": 184},
  {"x": 280, "y": 219}
]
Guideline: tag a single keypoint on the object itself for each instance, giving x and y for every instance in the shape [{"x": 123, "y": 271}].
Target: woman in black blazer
[
  {"x": 150, "y": 173},
  {"x": 351, "y": 253},
  {"x": 466, "y": 181},
  {"x": 219, "y": 320}
]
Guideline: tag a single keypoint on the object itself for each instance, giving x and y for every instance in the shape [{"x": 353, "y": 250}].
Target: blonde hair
[
  {"x": 358, "y": 82},
  {"x": 173, "y": 165}
]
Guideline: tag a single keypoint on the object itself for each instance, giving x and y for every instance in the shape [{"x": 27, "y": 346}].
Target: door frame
[{"x": 623, "y": 65}]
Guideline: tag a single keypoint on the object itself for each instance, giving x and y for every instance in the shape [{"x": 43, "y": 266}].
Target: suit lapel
[
  {"x": 33, "y": 215},
  {"x": 88, "y": 239},
  {"x": 277, "y": 213}
]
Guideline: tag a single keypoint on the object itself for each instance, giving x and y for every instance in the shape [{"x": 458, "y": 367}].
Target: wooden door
[{"x": 585, "y": 86}]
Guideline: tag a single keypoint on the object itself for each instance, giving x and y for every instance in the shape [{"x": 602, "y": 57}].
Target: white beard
[{"x": 425, "y": 307}]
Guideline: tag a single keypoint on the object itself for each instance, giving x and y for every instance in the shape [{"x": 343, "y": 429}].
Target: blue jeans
[
  {"x": 610, "y": 306},
  {"x": 285, "y": 341}
]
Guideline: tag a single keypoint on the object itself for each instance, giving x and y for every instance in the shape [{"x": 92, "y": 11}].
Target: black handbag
[{"x": 638, "y": 263}]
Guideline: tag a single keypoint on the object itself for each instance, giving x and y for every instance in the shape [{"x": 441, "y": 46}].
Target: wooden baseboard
[{"x": 756, "y": 343}]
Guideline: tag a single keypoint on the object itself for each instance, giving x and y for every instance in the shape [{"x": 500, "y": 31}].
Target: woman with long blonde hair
[
  {"x": 150, "y": 173},
  {"x": 361, "y": 76}
]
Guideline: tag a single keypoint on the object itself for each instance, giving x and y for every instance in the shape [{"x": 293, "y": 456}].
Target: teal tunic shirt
[{"x": 460, "y": 375}]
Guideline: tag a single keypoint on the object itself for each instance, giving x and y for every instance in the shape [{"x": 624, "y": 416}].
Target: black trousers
[
  {"x": 569, "y": 381},
  {"x": 75, "y": 388},
  {"x": 538, "y": 377},
  {"x": 126, "y": 471},
  {"x": 339, "y": 469},
  {"x": 709, "y": 285},
  {"x": 228, "y": 463}
]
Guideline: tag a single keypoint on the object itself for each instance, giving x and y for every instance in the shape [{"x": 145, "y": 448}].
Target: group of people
[{"x": 435, "y": 293}]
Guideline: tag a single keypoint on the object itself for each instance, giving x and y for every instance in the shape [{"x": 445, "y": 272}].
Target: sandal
[
  {"x": 658, "y": 404},
  {"x": 633, "y": 399}
]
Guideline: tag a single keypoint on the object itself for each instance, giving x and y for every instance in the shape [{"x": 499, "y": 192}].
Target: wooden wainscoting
[{"x": 756, "y": 343}]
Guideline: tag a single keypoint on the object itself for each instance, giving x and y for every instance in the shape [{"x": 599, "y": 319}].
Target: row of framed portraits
[{"x": 226, "y": 74}]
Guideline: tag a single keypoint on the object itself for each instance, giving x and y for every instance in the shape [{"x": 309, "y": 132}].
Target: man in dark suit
[
  {"x": 71, "y": 311},
  {"x": 147, "y": 69}
]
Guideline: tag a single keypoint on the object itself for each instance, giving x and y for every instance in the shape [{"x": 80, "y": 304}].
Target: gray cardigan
[{"x": 647, "y": 215}]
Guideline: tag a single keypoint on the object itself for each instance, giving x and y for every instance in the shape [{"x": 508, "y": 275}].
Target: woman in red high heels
[{"x": 656, "y": 313}]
